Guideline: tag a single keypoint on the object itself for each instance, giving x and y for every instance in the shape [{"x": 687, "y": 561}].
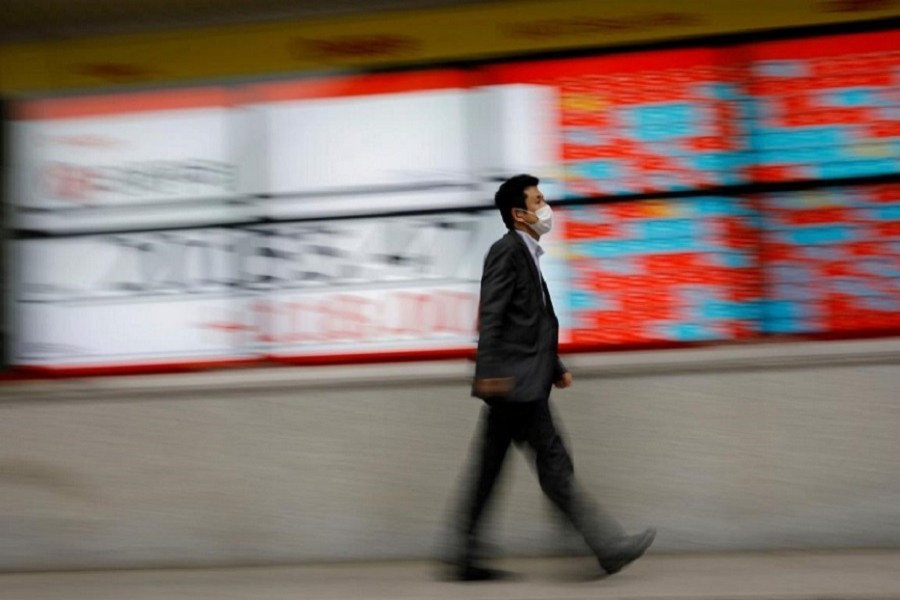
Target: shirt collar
[{"x": 533, "y": 245}]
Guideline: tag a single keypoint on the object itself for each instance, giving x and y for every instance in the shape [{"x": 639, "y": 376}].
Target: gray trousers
[{"x": 531, "y": 424}]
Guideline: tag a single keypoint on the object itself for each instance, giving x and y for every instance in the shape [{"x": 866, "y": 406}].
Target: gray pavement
[{"x": 857, "y": 575}]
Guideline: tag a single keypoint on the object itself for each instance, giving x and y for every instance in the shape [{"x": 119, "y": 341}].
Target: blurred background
[{"x": 243, "y": 241}]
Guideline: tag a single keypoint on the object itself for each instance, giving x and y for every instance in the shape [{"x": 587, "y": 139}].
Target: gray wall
[{"x": 757, "y": 447}]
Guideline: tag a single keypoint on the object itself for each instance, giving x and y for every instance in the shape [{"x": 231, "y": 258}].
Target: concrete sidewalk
[{"x": 863, "y": 575}]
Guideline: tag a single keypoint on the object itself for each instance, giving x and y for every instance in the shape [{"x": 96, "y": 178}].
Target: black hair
[{"x": 511, "y": 194}]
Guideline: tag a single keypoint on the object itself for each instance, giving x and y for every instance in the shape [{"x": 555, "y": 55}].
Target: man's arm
[
  {"x": 497, "y": 286},
  {"x": 562, "y": 377}
]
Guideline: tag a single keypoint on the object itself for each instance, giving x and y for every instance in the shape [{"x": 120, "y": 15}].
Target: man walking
[{"x": 516, "y": 365}]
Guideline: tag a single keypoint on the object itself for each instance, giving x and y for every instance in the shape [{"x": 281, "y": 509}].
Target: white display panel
[
  {"x": 367, "y": 143},
  {"x": 143, "y": 237},
  {"x": 143, "y": 163},
  {"x": 124, "y": 159},
  {"x": 295, "y": 289},
  {"x": 516, "y": 131},
  {"x": 363, "y": 286},
  {"x": 128, "y": 298}
]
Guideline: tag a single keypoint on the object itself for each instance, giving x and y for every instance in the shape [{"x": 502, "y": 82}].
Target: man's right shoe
[{"x": 626, "y": 551}]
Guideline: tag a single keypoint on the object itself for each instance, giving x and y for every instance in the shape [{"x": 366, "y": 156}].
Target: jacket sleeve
[
  {"x": 559, "y": 370},
  {"x": 497, "y": 286}
]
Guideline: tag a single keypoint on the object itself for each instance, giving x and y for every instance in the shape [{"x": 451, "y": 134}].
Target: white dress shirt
[{"x": 536, "y": 251}]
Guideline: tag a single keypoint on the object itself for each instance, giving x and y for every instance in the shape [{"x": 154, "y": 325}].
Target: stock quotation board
[{"x": 346, "y": 217}]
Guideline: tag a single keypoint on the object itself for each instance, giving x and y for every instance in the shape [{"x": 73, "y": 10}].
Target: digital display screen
[
  {"x": 681, "y": 120},
  {"x": 653, "y": 271},
  {"x": 350, "y": 215},
  {"x": 832, "y": 260},
  {"x": 642, "y": 123},
  {"x": 825, "y": 108}
]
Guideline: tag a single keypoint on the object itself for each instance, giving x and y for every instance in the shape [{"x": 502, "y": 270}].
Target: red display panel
[
  {"x": 643, "y": 122},
  {"x": 832, "y": 260},
  {"x": 662, "y": 271},
  {"x": 824, "y": 108}
]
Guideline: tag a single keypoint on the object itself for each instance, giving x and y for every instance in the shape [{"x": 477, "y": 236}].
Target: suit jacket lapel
[
  {"x": 535, "y": 275},
  {"x": 547, "y": 295}
]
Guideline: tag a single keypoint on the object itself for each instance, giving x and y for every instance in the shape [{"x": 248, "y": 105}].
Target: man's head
[{"x": 518, "y": 199}]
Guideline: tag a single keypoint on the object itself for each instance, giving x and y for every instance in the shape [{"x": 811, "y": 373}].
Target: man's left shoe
[{"x": 475, "y": 573}]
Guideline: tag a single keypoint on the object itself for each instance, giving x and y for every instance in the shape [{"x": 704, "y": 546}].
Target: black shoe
[
  {"x": 474, "y": 573},
  {"x": 627, "y": 551}
]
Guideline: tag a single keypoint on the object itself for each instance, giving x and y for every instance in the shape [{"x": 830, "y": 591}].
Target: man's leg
[
  {"x": 487, "y": 462},
  {"x": 557, "y": 478}
]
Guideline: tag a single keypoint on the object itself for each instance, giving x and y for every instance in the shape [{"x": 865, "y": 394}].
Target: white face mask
[{"x": 545, "y": 222}]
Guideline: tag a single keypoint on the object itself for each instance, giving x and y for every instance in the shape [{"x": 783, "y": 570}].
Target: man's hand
[
  {"x": 564, "y": 381},
  {"x": 494, "y": 387}
]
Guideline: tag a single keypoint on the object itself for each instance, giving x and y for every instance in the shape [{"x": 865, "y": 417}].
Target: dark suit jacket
[{"x": 518, "y": 333}]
